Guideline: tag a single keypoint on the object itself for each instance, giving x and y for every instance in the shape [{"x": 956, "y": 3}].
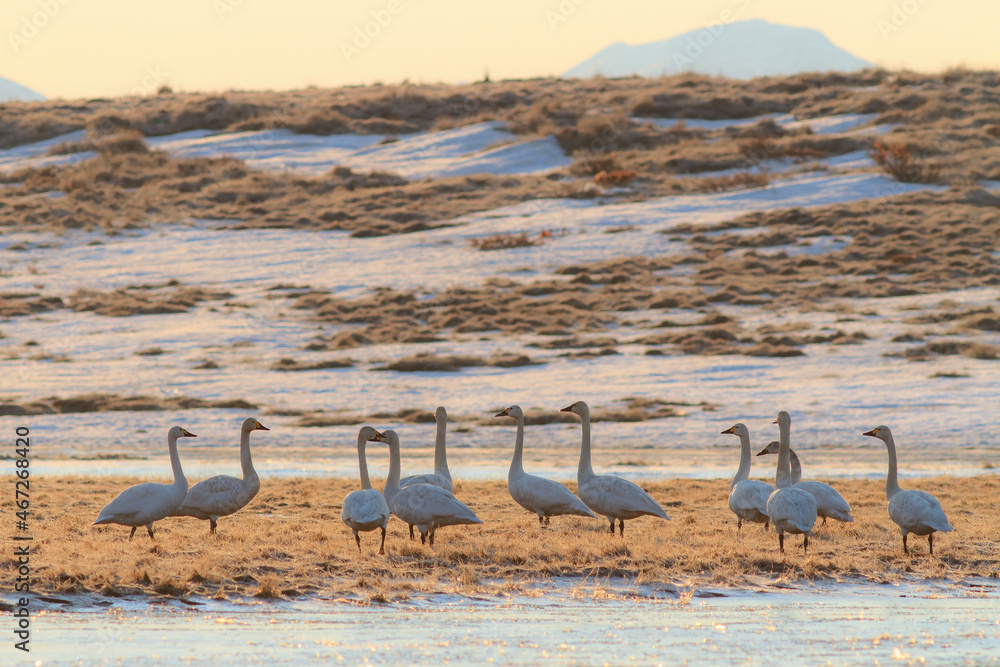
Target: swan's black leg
[
  {"x": 411, "y": 534},
  {"x": 212, "y": 525},
  {"x": 431, "y": 536},
  {"x": 612, "y": 525},
  {"x": 906, "y": 549},
  {"x": 357, "y": 538},
  {"x": 132, "y": 533},
  {"x": 805, "y": 543},
  {"x": 423, "y": 538},
  {"x": 381, "y": 549},
  {"x": 739, "y": 523},
  {"x": 149, "y": 529},
  {"x": 781, "y": 542},
  {"x": 547, "y": 520},
  {"x": 541, "y": 520},
  {"x": 930, "y": 541},
  {"x": 621, "y": 527},
  {"x": 767, "y": 526}
]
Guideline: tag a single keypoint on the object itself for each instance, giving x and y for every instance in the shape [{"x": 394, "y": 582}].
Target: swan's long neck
[
  {"x": 744, "y": 470},
  {"x": 796, "y": 466},
  {"x": 245, "y": 461},
  {"x": 516, "y": 463},
  {"x": 366, "y": 483},
  {"x": 782, "y": 477},
  {"x": 891, "y": 483},
  {"x": 175, "y": 463},
  {"x": 585, "y": 471},
  {"x": 391, "y": 487},
  {"x": 440, "y": 457}
]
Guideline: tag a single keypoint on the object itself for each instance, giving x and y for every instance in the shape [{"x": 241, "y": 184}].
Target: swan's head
[
  {"x": 441, "y": 415},
  {"x": 389, "y": 437},
  {"x": 772, "y": 448},
  {"x": 252, "y": 424},
  {"x": 513, "y": 411},
  {"x": 739, "y": 429},
  {"x": 178, "y": 432},
  {"x": 367, "y": 434},
  {"x": 580, "y": 408},
  {"x": 881, "y": 432},
  {"x": 783, "y": 419}
]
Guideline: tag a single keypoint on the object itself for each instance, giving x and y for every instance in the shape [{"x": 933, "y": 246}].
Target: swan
[
  {"x": 747, "y": 497},
  {"x": 613, "y": 497},
  {"x": 426, "y": 506},
  {"x": 790, "y": 509},
  {"x": 365, "y": 509},
  {"x": 223, "y": 495},
  {"x": 829, "y": 503},
  {"x": 142, "y": 504},
  {"x": 441, "y": 475},
  {"x": 544, "y": 497},
  {"x": 913, "y": 511}
]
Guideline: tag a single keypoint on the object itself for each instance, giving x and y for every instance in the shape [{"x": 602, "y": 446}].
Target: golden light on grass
[{"x": 290, "y": 542}]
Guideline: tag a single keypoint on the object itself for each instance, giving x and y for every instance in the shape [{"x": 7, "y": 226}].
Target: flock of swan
[{"x": 427, "y": 501}]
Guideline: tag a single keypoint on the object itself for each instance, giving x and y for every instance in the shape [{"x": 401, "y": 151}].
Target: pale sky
[{"x": 80, "y": 48}]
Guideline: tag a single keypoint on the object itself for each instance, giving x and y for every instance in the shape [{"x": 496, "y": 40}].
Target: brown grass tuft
[
  {"x": 899, "y": 162},
  {"x": 503, "y": 241}
]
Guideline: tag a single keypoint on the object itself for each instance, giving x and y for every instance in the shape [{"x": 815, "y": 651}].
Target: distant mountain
[
  {"x": 9, "y": 90},
  {"x": 738, "y": 50}
]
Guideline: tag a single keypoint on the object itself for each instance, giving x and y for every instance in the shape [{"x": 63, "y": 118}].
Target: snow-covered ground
[
  {"x": 480, "y": 148},
  {"x": 833, "y": 392}
]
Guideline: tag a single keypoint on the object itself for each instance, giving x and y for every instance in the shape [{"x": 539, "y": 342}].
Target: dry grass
[
  {"x": 899, "y": 161},
  {"x": 503, "y": 241},
  {"x": 738, "y": 181},
  {"x": 289, "y": 542}
]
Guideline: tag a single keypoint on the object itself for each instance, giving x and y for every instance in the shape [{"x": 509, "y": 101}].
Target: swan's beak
[
  {"x": 261, "y": 427},
  {"x": 377, "y": 437},
  {"x": 568, "y": 408},
  {"x": 775, "y": 421},
  {"x": 762, "y": 452},
  {"x": 873, "y": 433},
  {"x": 728, "y": 430},
  {"x": 187, "y": 434},
  {"x": 503, "y": 413}
]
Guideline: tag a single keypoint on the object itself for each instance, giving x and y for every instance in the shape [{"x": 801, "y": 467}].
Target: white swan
[
  {"x": 829, "y": 503},
  {"x": 790, "y": 509},
  {"x": 426, "y": 506},
  {"x": 441, "y": 475},
  {"x": 610, "y": 496},
  {"x": 544, "y": 497},
  {"x": 223, "y": 495},
  {"x": 913, "y": 511},
  {"x": 365, "y": 509},
  {"x": 747, "y": 497},
  {"x": 142, "y": 504}
]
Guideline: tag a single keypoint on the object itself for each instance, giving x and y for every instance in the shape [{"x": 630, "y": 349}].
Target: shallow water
[{"x": 854, "y": 624}]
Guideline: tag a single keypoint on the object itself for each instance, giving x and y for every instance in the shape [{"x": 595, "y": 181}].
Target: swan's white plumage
[
  {"x": 790, "y": 509},
  {"x": 223, "y": 495},
  {"x": 142, "y": 504},
  {"x": 747, "y": 497},
  {"x": 425, "y": 506},
  {"x": 536, "y": 494},
  {"x": 610, "y": 496},
  {"x": 365, "y": 509},
  {"x": 915, "y": 512},
  {"x": 441, "y": 475},
  {"x": 829, "y": 503}
]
